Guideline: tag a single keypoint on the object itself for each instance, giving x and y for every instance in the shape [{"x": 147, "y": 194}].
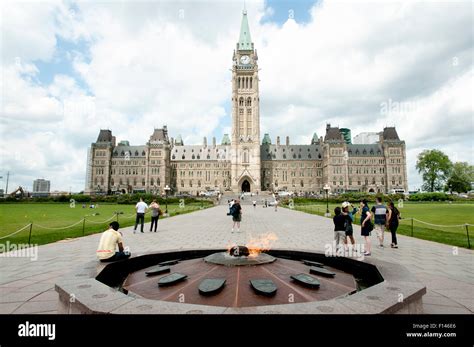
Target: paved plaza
[{"x": 28, "y": 286}]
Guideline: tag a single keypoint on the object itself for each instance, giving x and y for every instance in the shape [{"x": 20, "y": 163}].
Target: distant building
[
  {"x": 41, "y": 187},
  {"x": 346, "y": 134},
  {"x": 367, "y": 138}
]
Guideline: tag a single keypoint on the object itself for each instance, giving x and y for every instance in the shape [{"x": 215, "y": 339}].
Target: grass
[
  {"x": 14, "y": 216},
  {"x": 450, "y": 217}
]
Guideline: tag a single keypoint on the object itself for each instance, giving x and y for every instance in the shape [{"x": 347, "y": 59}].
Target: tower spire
[{"x": 245, "y": 41}]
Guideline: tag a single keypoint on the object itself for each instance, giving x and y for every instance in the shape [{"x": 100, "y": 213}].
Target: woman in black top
[{"x": 393, "y": 215}]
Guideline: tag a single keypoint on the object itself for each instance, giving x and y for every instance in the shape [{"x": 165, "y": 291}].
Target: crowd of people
[{"x": 379, "y": 218}]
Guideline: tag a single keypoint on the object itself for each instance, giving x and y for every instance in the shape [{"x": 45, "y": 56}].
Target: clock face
[{"x": 245, "y": 59}]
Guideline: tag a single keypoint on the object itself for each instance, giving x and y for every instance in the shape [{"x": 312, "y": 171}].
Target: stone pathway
[{"x": 28, "y": 286}]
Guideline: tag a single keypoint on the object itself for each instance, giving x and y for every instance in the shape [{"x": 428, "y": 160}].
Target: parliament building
[{"x": 243, "y": 162}]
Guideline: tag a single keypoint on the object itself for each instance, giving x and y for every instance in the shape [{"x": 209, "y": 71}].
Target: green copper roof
[
  {"x": 315, "y": 139},
  {"x": 245, "y": 41},
  {"x": 225, "y": 140},
  {"x": 266, "y": 140}
]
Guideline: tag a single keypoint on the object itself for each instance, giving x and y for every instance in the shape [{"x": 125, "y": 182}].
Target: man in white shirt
[
  {"x": 109, "y": 240},
  {"x": 141, "y": 208}
]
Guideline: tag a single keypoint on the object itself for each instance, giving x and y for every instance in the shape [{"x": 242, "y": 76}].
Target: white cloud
[{"x": 154, "y": 63}]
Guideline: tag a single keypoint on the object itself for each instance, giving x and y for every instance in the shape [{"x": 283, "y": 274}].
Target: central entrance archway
[{"x": 246, "y": 186}]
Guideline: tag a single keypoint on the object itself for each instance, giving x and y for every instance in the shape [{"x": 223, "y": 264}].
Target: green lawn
[
  {"x": 447, "y": 217},
  {"x": 14, "y": 216}
]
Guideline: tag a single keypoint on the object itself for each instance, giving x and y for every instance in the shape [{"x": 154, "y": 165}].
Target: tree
[
  {"x": 462, "y": 174},
  {"x": 434, "y": 167}
]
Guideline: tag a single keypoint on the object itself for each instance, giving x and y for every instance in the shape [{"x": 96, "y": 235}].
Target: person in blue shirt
[{"x": 349, "y": 220}]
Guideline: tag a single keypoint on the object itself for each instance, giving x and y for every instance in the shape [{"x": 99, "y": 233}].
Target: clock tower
[{"x": 245, "y": 161}]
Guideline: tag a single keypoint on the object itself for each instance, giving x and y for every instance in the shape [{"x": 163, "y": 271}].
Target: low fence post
[
  {"x": 29, "y": 236},
  {"x": 467, "y": 233},
  {"x": 412, "y": 227},
  {"x": 83, "y": 226}
]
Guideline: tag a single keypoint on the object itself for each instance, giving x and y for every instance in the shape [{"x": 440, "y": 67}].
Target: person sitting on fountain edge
[{"x": 108, "y": 242}]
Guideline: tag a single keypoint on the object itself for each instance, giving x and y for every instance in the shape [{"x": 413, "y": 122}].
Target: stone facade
[{"x": 242, "y": 162}]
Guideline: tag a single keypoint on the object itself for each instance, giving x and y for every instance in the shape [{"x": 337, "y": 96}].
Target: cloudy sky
[{"x": 69, "y": 69}]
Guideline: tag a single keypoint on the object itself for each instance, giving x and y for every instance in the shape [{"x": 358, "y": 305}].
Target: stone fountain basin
[{"x": 93, "y": 288}]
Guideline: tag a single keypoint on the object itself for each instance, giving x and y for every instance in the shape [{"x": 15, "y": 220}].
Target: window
[
  {"x": 245, "y": 157},
  {"x": 241, "y": 102}
]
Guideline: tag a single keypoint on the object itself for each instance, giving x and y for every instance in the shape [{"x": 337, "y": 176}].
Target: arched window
[
  {"x": 248, "y": 102},
  {"x": 112, "y": 182},
  {"x": 158, "y": 182},
  {"x": 238, "y": 82},
  {"x": 152, "y": 182},
  {"x": 251, "y": 79},
  {"x": 136, "y": 153},
  {"x": 241, "y": 101}
]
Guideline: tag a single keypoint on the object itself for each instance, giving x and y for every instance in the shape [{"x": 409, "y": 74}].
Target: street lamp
[
  {"x": 326, "y": 189},
  {"x": 167, "y": 189}
]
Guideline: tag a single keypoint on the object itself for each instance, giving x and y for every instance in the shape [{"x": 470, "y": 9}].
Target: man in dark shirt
[{"x": 339, "y": 227}]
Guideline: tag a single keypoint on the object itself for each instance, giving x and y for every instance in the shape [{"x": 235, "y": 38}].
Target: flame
[{"x": 261, "y": 244}]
